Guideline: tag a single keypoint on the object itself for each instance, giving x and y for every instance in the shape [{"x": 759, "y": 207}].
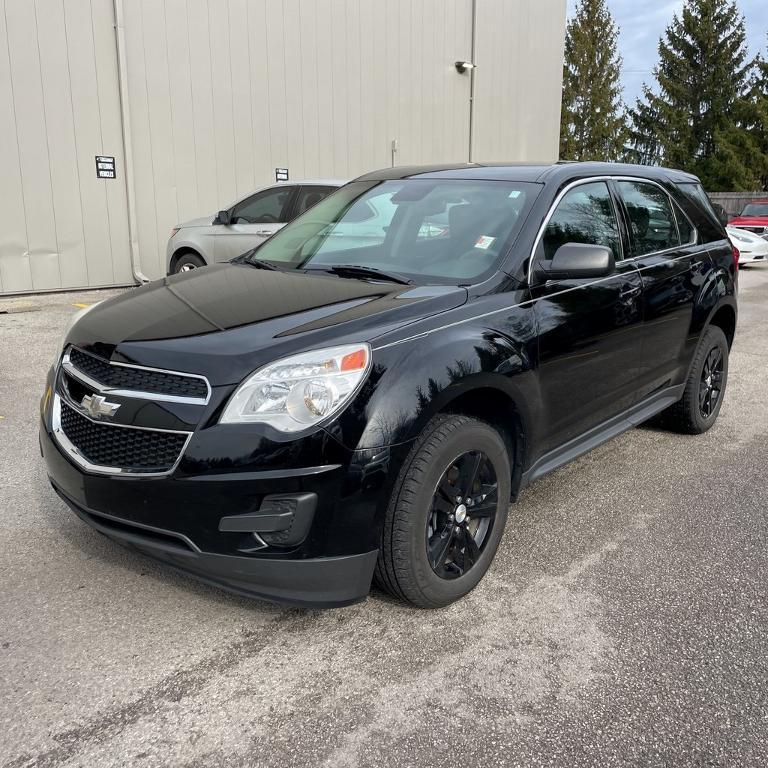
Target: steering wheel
[{"x": 268, "y": 218}]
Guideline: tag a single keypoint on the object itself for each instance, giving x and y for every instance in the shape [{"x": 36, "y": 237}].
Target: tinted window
[
  {"x": 755, "y": 209},
  {"x": 652, "y": 222},
  {"x": 699, "y": 207},
  {"x": 262, "y": 208},
  {"x": 684, "y": 227},
  {"x": 585, "y": 215},
  {"x": 429, "y": 230},
  {"x": 309, "y": 196}
]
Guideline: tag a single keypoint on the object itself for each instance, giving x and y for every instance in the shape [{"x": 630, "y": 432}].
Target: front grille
[
  {"x": 756, "y": 230},
  {"x": 135, "y": 450},
  {"x": 137, "y": 379}
]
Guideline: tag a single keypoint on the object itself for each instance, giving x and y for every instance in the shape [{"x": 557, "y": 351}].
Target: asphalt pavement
[{"x": 623, "y": 623}]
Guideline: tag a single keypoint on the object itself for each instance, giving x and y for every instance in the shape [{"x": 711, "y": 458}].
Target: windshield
[
  {"x": 755, "y": 209},
  {"x": 428, "y": 231}
]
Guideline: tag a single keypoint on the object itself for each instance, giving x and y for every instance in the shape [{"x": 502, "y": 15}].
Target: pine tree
[
  {"x": 695, "y": 117},
  {"x": 592, "y": 123},
  {"x": 759, "y": 117}
]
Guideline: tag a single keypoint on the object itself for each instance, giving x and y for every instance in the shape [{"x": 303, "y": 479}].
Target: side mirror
[
  {"x": 574, "y": 261},
  {"x": 223, "y": 217}
]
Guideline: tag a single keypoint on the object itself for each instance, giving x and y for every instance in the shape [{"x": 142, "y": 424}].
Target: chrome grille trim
[
  {"x": 72, "y": 452},
  {"x": 75, "y": 372}
]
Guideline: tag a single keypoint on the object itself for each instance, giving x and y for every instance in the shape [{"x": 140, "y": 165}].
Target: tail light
[{"x": 736, "y": 257}]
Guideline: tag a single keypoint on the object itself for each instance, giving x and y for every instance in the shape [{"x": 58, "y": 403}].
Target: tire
[
  {"x": 188, "y": 261},
  {"x": 449, "y": 450},
  {"x": 688, "y": 415}
]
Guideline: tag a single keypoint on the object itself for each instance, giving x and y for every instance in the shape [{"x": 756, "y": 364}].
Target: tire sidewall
[
  {"x": 475, "y": 436},
  {"x": 188, "y": 258},
  {"x": 714, "y": 337}
]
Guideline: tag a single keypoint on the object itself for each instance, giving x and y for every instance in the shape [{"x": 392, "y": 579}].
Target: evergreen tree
[
  {"x": 592, "y": 123},
  {"x": 759, "y": 117},
  {"x": 695, "y": 117}
]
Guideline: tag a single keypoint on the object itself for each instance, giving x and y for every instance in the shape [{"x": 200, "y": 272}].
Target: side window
[
  {"x": 310, "y": 196},
  {"x": 684, "y": 227},
  {"x": 264, "y": 207},
  {"x": 651, "y": 219},
  {"x": 586, "y": 214}
]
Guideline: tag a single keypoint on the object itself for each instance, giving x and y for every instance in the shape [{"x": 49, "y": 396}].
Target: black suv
[{"x": 362, "y": 396}]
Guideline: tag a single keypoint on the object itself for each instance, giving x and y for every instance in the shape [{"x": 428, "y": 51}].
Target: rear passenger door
[
  {"x": 590, "y": 330},
  {"x": 673, "y": 267}
]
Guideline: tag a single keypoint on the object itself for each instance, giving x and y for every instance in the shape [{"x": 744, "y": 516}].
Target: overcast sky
[{"x": 642, "y": 22}]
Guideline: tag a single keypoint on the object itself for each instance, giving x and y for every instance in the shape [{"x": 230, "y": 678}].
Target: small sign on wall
[
  {"x": 281, "y": 174},
  {"x": 105, "y": 167}
]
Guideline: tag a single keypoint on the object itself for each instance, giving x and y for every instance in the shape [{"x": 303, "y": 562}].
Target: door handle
[{"x": 263, "y": 231}]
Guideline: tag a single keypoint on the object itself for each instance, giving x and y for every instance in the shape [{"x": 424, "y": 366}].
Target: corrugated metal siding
[
  {"x": 224, "y": 91},
  {"x": 60, "y": 227},
  {"x": 221, "y": 92},
  {"x": 519, "y": 57}
]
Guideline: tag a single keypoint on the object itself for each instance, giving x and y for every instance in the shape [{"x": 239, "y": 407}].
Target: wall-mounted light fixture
[{"x": 463, "y": 66}]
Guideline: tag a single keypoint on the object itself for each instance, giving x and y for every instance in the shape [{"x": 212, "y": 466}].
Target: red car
[{"x": 754, "y": 218}]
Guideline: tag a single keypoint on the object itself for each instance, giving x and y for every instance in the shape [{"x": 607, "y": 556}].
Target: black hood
[{"x": 223, "y": 321}]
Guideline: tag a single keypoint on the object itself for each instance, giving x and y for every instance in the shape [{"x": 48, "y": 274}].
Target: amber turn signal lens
[{"x": 354, "y": 361}]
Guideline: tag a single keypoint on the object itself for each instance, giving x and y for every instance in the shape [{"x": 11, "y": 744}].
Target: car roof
[
  {"x": 762, "y": 202},
  {"x": 312, "y": 182},
  {"x": 533, "y": 172}
]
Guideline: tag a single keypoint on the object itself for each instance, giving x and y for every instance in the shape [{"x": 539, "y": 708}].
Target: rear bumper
[{"x": 327, "y": 582}]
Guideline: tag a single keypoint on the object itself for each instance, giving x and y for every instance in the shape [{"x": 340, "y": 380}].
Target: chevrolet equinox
[{"x": 360, "y": 398}]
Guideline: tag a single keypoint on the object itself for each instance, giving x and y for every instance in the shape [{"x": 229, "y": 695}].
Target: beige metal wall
[
  {"x": 224, "y": 91},
  {"x": 518, "y": 84},
  {"x": 60, "y": 227},
  {"x": 221, "y": 92}
]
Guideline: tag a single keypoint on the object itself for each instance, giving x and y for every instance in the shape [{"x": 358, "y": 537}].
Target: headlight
[
  {"x": 741, "y": 238},
  {"x": 300, "y": 391},
  {"x": 69, "y": 326}
]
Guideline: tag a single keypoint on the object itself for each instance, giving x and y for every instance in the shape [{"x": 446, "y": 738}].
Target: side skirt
[{"x": 604, "y": 432}]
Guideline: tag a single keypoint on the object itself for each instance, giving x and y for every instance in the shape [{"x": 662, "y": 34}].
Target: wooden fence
[{"x": 734, "y": 202}]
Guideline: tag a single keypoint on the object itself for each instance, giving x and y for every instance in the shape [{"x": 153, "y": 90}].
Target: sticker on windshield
[
  {"x": 484, "y": 242},
  {"x": 514, "y": 194}
]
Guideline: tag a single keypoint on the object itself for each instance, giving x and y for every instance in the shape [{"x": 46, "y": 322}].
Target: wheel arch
[
  {"x": 486, "y": 403},
  {"x": 724, "y": 317},
  {"x": 182, "y": 251}
]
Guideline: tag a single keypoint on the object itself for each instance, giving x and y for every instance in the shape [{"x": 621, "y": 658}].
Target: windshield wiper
[
  {"x": 357, "y": 270},
  {"x": 247, "y": 258}
]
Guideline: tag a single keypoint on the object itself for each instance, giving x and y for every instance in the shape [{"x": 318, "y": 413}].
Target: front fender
[{"x": 413, "y": 380}]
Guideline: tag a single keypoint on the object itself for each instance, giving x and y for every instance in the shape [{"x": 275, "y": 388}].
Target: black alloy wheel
[
  {"x": 698, "y": 408},
  {"x": 463, "y": 512},
  {"x": 446, "y": 516},
  {"x": 711, "y": 382}
]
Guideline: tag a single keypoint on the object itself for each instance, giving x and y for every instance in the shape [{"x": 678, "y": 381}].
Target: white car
[
  {"x": 751, "y": 247},
  {"x": 244, "y": 224}
]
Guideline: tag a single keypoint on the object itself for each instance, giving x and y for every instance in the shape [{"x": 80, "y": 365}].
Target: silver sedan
[{"x": 244, "y": 224}]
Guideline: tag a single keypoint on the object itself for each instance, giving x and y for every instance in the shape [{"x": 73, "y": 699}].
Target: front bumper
[
  {"x": 328, "y": 582},
  {"x": 178, "y": 520}
]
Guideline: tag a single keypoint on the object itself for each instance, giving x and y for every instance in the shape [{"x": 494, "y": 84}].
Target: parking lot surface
[{"x": 624, "y": 622}]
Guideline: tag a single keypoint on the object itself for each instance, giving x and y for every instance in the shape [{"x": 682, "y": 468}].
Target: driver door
[
  {"x": 254, "y": 220},
  {"x": 590, "y": 330}
]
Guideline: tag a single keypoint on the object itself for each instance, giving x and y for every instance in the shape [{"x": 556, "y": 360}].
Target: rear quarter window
[{"x": 694, "y": 201}]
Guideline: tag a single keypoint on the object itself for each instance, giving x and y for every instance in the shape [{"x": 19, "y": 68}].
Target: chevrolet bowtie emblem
[{"x": 98, "y": 406}]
